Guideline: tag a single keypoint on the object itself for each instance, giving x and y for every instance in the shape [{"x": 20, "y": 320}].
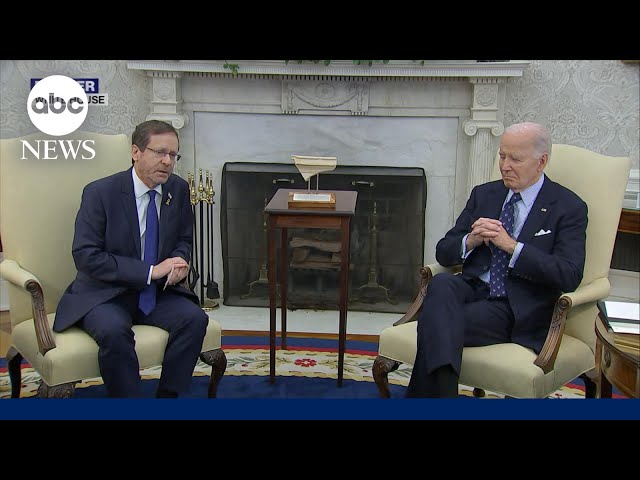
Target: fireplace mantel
[
  {"x": 443, "y": 116},
  {"x": 342, "y": 68},
  {"x": 340, "y": 88}
]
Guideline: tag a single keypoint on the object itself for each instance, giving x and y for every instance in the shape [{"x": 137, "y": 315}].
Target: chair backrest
[
  {"x": 600, "y": 181},
  {"x": 39, "y": 200}
]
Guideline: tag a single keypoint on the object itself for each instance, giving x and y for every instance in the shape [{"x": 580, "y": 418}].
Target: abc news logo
[
  {"x": 55, "y": 149},
  {"x": 57, "y": 105}
]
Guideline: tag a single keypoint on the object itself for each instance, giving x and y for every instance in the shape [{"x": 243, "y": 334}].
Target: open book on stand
[{"x": 623, "y": 319}]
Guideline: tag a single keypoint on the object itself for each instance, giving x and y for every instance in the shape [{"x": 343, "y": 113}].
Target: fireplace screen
[{"x": 387, "y": 238}]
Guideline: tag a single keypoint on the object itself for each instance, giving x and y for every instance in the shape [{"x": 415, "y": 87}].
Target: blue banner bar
[
  {"x": 322, "y": 409},
  {"x": 90, "y": 85}
]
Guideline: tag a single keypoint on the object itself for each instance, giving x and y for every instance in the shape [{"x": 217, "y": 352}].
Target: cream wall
[{"x": 590, "y": 103}]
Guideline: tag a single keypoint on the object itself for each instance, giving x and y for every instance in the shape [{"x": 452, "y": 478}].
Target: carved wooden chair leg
[
  {"x": 479, "y": 393},
  {"x": 14, "y": 359},
  {"x": 64, "y": 390},
  {"x": 381, "y": 369},
  {"x": 218, "y": 361}
]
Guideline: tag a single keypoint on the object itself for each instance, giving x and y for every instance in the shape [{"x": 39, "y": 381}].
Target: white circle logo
[{"x": 57, "y": 105}]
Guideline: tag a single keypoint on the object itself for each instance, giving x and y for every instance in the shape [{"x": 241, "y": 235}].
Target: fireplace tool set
[{"x": 201, "y": 271}]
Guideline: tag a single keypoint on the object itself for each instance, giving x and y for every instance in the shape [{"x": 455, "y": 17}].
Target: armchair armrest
[
  {"x": 426, "y": 274},
  {"x": 16, "y": 275},
  {"x": 592, "y": 292}
]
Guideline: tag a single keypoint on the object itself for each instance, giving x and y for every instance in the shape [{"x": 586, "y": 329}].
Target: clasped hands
[
  {"x": 174, "y": 268},
  {"x": 489, "y": 230}
]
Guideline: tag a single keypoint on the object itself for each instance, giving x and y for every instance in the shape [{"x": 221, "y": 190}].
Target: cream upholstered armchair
[
  {"x": 569, "y": 350},
  {"x": 39, "y": 200}
]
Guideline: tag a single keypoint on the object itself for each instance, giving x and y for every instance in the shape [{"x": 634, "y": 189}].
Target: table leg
[
  {"x": 603, "y": 386},
  {"x": 344, "y": 295},
  {"x": 273, "y": 281},
  {"x": 603, "y": 389},
  {"x": 284, "y": 268}
]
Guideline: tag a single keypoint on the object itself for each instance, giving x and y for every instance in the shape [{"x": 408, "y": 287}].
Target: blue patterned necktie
[
  {"x": 500, "y": 258},
  {"x": 147, "y": 300}
]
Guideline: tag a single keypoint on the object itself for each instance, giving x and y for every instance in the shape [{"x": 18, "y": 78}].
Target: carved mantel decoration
[
  {"x": 167, "y": 98},
  {"x": 337, "y": 95}
]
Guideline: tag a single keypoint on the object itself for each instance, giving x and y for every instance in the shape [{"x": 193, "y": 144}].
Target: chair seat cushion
[
  {"x": 75, "y": 357},
  {"x": 484, "y": 367}
]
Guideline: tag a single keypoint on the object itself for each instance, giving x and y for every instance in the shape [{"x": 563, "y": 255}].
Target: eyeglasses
[{"x": 162, "y": 153}]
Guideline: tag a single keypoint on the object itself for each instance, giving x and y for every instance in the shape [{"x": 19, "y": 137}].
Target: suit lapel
[
  {"x": 540, "y": 210},
  {"x": 130, "y": 210},
  {"x": 495, "y": 200}
]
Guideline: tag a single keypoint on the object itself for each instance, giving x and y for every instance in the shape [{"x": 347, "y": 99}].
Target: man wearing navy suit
[
  {"x": 130, "y": 266},
  {"x": 517, "y": 254}
]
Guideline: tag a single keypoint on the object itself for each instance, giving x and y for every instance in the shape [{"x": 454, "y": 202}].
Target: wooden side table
[
  {"x": 615, "y": 366},
  {"x": 282, "y": 217}
]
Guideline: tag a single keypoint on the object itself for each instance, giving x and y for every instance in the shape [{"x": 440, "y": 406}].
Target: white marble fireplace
[{"x": 443, "y": 116}]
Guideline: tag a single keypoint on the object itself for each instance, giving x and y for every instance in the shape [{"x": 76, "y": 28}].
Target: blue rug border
[{"x": 324, "y": 409}]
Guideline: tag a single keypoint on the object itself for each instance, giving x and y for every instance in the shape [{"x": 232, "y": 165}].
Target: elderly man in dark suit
[
  {"x": 521, "y": 242},
  {"x": 131, "y": 246}
]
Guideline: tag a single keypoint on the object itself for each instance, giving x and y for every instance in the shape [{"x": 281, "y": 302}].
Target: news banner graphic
[{"x": 57, "y": 105}]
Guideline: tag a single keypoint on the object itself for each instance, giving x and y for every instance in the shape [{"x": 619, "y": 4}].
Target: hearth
[{"x": 387, "y": 237}]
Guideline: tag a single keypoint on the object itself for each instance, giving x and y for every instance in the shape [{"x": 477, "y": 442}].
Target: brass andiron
[
  {"x": 262, "y": 278},
  {"x": 369, "y": 292},
  {"x": 192, "y": 189}
]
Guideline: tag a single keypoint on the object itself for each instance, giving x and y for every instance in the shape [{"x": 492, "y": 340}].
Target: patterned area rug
[{"x": 307, "y": 369}]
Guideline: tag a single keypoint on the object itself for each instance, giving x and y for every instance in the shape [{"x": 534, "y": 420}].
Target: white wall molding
[{"x": 395, "y": 68}]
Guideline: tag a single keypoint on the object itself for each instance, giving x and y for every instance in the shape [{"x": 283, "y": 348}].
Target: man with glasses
[{"x": 132, "y": 246}]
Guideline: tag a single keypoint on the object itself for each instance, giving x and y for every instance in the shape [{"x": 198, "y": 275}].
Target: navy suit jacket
[
  {"x": 106, "y": 244},
  {"x": 548, "y": 264}
]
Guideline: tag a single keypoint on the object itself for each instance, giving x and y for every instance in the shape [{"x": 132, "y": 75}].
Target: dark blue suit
[
  {"x": 104, "y": 295},
  {"x": 456, "y": 310}
]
